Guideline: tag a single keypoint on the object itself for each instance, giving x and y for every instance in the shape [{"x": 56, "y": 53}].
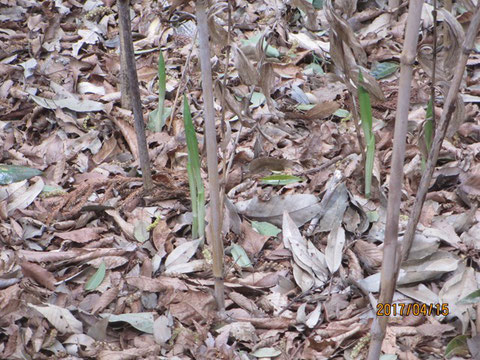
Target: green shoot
[
  {"x": 158, "y": 116},
  {"x": 428, "y": 132},
  {"x": 197, "y": 192},
  {"x": 367, "y": 125}
]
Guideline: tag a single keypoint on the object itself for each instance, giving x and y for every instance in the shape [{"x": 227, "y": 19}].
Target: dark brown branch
[{"x": 131, "y": 71}]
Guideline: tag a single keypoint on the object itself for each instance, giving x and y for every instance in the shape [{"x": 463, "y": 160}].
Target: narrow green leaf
[
  {"x": 305, "y": 107},
  {"x": 240, "y": 256},
  {"x": 384, "y": 69},
  {"x": 97, "y": 278},
  {"x": 157, "y": 119},
  {"x": 428, "y": 129},
  {"x": 197, "y": 191},
  {"x": 457, "y": 346},
  {"x": 266, "y": 352},
  {"x": 313, "y": 69},
  {"x": 280, "y": 179},
  {"x": 429, "y": 125},
  {"x": 367, "y": 124},
  {"x": 257, "y": 99},
  {"x": 167, "y": 111},
  {"x": 342, "y": 113},
  {"x": 270, "y": 50},
  {"x": 472, "y": 298},
  {"x": 14, "y": 173},
  {"x": 140, "y": 321},
  {"x": 193, "y": 196},
  {"x": 265, "y": 228},
  {"x": 317, "y": 4}
]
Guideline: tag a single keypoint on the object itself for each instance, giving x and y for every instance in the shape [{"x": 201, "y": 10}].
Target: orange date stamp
[{"x": 415, "y": 309}]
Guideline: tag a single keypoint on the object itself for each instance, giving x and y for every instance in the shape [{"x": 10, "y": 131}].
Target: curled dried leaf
[
  {"x": 246, "y": 71},
  {"x": 218, "y": 34},
  {"x": 342, "y": 30},
  {"x": 369, "y": 83},
  {"x": 232, "y": 104},
  {"x": 308, "y": 9},
  {"x": 458, "y": 116},
  {"x": 369, "y": 254},
  {"x": 457, "y": 37},
  {"x": 267, "y": 78},
  {"x": 469, "y": 189}
]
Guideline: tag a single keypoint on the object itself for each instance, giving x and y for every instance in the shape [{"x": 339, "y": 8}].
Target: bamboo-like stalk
[
  {"x": 388, "y": 281},
  {"x": 131, "y": 71},
  {"x": 448, "y": 109},
  {"x": 212, "y": 160},
  {"x": 124, "y": 93}
]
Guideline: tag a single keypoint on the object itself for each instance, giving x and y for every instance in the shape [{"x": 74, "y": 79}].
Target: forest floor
[{"x": 91, "y": 266}]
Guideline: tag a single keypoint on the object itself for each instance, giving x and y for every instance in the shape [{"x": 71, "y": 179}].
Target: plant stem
[
  {"x": 212, "y": 161},
  {"x": 131, "y": 70},
  {"x": 390, "y": 254}
]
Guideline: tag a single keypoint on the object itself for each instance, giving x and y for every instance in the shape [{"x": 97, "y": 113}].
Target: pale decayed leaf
[
  {"x": 457, "y": 287},
  {"x": 182, "y": 253},
  {"x": 334, "y": 249},
  {"x": 61, "y": 318},
  {"x": 162, "y": 329},
  {"x": 301, "y": 208},
  {"x": 240, "y": 331},
  {"x": 22, "y": 200},
  {"x": 69, "y": 103},
  {"x": 140, "y": 321},
  {"x": 299, "y": 247}
]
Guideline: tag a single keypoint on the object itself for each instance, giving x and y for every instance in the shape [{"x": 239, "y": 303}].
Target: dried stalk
[
  {"x": 448, "y": 109},
  {"x": 131, "y": 71},
  {"x": 388, "y": 281},
  {"x": 212, "y": 161}
]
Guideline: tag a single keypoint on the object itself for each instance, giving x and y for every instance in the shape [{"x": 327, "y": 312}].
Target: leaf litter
[{"x": 84, "y": 275}]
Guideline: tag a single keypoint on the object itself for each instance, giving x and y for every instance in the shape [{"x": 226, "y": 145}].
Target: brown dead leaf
[
  {"x": 322, "y": 110},
  {"x": 105, "y": 299},
  {"x": 39, "y": 274},
  {"x": 246, "y": 71},
  {"x": 81, "y": 236},
  {"x": 158, "y": 284},
  {"x": 252, "y": 242}
]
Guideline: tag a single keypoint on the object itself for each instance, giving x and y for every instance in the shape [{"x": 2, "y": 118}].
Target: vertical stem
[
  {"x": 131, "y": 70},
  {"x": 212, "y": 161},
  {"x": 448, "y": 109},
  {"x": 390, "y": 256},
  {"x": 125, "y": 96}
]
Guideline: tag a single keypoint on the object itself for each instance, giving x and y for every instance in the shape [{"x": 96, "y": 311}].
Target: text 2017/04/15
[{"x": 415, "y": 309}]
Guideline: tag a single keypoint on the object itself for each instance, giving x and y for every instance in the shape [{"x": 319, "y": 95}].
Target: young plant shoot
[
  {"x": 158, "y": 116},
  {"x": 367, "y": 124},
  {"x": 197, "y": 192}
]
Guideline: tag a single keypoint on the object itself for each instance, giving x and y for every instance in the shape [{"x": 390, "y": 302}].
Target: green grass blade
[
  {"x": 428, "y": 129},
  {"x": 367, "y": 125},
  {"x": 194, "y": 199},
  {"x": 197, "y": 191},
  {"x": 158, "y": 119},
  {"x": 369, "y": 166}
]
